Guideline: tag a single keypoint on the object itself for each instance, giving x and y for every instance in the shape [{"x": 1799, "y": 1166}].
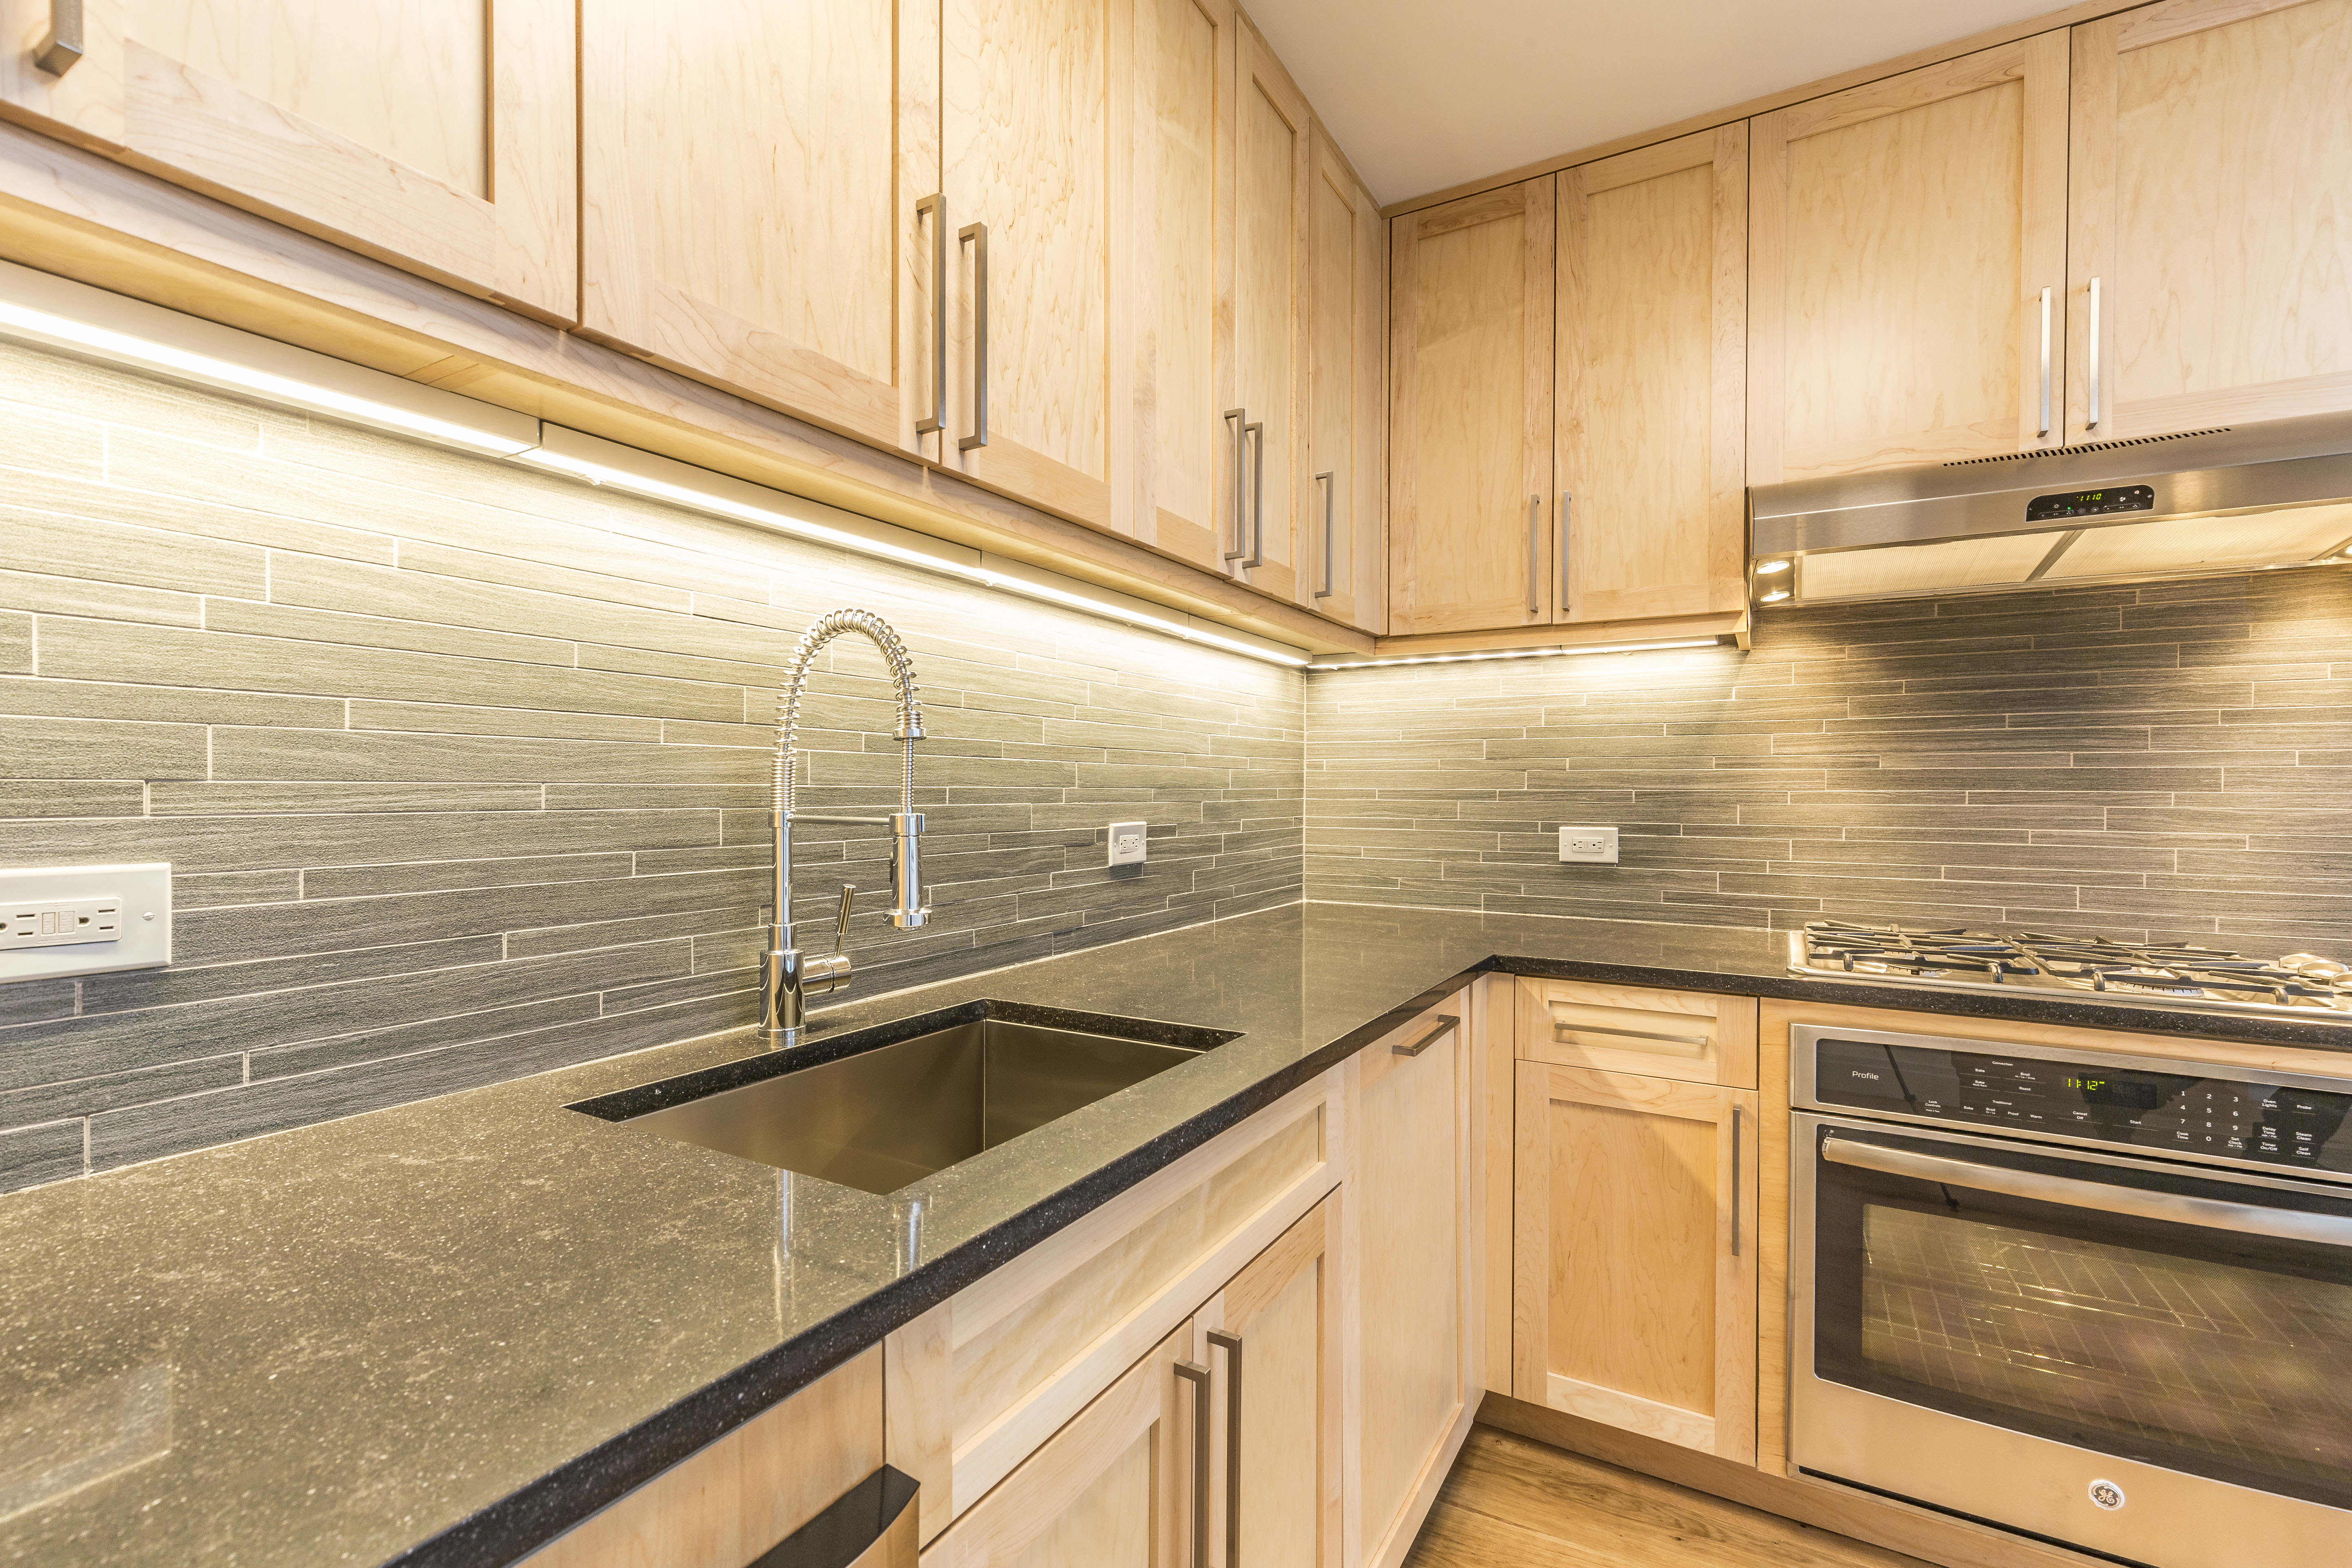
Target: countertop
[{"x": 441, "y": 1333}]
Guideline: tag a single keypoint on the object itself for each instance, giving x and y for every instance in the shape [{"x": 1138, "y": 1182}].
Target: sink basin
[{"x": 890, "y": 1105}]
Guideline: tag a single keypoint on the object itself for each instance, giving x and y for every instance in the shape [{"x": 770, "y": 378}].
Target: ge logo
[{"x": 2106, "y": 1495}]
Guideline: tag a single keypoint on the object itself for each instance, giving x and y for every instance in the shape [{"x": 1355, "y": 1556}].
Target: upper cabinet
[
  {"x": 1184, "y": 179},
  {"x": 1907, "y": 268},
  {"x": 1271, "y": 146},
  {"x": 1036, "y": 117},
  {"x": 756, "y": 179},
  {"x": 1651, "y": 365},
  {"x": 1347, "y": 339},
  {"x": 416, "y": 131},
  {"x": 2212, "y": 190},
  {"x": 1470, "y": 409}
]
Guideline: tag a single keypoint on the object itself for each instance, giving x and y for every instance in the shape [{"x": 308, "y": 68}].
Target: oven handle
[{"x": 2247, "y": 1219}]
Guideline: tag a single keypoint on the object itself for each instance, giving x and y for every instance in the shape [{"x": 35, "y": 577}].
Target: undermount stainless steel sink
[{"x": 888, "y": 1106}]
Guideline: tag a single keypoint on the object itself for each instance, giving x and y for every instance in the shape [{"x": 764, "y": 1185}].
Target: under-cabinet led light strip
[
  {"x": 38, "y": 307},
  {"x": 1559, "y": 651}
]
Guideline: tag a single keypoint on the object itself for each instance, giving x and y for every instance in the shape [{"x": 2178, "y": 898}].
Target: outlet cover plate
[
  {"x": 1588, "y": 845},
  {"x": 1127, "y": 843},
  {"x": 142, "y": 939}
]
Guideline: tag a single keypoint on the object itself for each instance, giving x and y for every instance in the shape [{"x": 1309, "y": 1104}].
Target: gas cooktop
[{"x": 1953, "y": 958}]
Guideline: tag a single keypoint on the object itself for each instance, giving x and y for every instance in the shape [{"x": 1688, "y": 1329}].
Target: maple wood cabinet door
[
  {"x": 1906, "y": 290},
  {"x": 1653, "y": 362},
  {"x": 1113, "y": 1489},
  {"x": 1185, "y": 51},
  {"x": 412, "y": 131},
  {"x": 755, "y": 176},
  {"x": 2212, "y": 176},
  {"x": 1036, "y": 128},
  {"x": 1271, "y": 1342},
  {"x": 1271, "y": 145},
  {"x": 1341, "y": 537},
  {"x": 1633, "y": 1274},
  {"x": 1470, "y": 410},
  {"x": 1410, "y": 1258}
]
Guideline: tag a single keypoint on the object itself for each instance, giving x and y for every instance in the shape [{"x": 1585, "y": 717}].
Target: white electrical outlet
[
  {"x": 1126, "y": 843},
  {"x": 84, "y": 920},
  {"x": 1596, "y": 846}
]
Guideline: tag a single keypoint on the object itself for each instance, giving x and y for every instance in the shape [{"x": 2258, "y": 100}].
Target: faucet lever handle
[{"x": 841, "y": 922}]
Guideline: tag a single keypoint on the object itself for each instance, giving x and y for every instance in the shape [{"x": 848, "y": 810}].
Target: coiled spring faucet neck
[{"x": 792, "y": 975}]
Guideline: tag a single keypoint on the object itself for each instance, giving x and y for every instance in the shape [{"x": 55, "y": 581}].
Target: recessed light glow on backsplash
[{"x": 56, "y": 313}]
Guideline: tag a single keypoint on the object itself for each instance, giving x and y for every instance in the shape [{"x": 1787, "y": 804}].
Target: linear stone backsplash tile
[
  {"x": 460, "y": 767},
  {"x": 2161, "y": 761}
]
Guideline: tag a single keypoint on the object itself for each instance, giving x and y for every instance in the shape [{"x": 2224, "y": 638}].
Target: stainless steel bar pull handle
[
  {"x": 2214, "y": 1213},
  {"x": 61, "y": 46},
  {"x": 1565, "y": 501},
  {"x": 1196, "y": 1374},
  {"x": 977, "y": 233},
  {"x": 1445, "y": 1027},
  {"x": 1238, "y": 419},
  {"x": 2091, "y": 422},
  {"x": 936, "y": 206},
  {"x": 1735, "y": 1181},
  {"x": 1330, "y": 480},
  {"x": 2045, "y": 362},
  {"x": 1231, "y": 1345},
  {"x": 1255, "y": 431},
  {"x": 1535, "y": 554}
]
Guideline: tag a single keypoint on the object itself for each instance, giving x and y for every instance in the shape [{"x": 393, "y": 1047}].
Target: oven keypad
[{"x": 2260, "y": 1124}]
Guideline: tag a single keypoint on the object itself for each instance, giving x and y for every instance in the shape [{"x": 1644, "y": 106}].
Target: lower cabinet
[
  {"x": 1407, "y": 1198},
  {"x": 1634, "y": 1243},
  {"x": 1110, "y": 1490},
  {"x": 1270, "y": 1344}
]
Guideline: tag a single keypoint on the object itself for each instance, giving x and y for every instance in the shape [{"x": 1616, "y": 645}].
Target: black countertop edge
[
  {"x": 524, "y": 1521},
  {"x": 2024, "y": 1008}
]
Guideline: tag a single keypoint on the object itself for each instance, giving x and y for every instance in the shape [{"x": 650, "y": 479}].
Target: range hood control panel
[{"x": 2090, "y": 503}]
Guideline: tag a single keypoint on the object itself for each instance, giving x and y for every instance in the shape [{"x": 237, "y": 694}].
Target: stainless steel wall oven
[{"x": 2098, "y": 1300}]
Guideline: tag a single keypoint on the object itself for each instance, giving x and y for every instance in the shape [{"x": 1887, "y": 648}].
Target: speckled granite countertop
[{"x": 442, "y": 1333}]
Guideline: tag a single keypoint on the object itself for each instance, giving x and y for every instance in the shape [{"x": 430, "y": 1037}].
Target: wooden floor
[{"x": 1514, "y": 1503}]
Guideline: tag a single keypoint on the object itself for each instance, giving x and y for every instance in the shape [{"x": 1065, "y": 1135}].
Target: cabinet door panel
[
  {"x": 1634, "y": 1249},
  {"x": 2210, "y": 145},
  {"x": 752, "y": 172},
  {"x": 1652, "y": 371},
  {"x": 1471, "y": 300},
  {"x": 1036, "y": 98},
  {"x": 1270, "y": 153},
  {"x": 1184, "y": 176},
  {"x": 1409, "y": 1189},
  {"x": 1341, "y": 535},
  {"x": 1903, "y": 235},
  {"x": 1277, "y": 1500},
  {"x": 438, "y": 135},
  {"x": 1112, "y": 1489}
]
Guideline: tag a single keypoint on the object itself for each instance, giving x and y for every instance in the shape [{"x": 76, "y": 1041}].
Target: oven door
[{"x": 2149, "y": 1361}]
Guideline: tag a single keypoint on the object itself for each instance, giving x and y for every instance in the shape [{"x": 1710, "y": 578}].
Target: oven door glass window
[{"x": 2199, "y": 1347}]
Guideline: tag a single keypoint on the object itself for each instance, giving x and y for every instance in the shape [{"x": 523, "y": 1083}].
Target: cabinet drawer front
[
  {"x": 1693, "y": 1035},
  {"x": 982, "y": 1380}
]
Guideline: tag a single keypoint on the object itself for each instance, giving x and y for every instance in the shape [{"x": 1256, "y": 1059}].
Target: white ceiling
[{"x": 1424, "y": 96}]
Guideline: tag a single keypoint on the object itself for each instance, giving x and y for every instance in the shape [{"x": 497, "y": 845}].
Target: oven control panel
[{"x": 2257, "y": 1124}]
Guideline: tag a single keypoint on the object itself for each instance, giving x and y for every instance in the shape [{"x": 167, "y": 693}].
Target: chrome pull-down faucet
[{"x": 791, "y": 976}]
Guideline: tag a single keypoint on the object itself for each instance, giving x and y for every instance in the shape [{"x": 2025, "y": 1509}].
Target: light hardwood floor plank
[{"x": 1512, "y": 1503}]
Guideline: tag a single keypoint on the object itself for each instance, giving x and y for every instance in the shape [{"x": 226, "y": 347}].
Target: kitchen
[{"x": 1315, "y": 699}]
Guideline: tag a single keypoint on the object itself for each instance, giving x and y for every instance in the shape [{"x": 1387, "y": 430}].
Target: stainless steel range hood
[{"x": 2243, "y": 498}]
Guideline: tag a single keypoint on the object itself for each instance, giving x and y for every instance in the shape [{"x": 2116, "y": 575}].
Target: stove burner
[{"x": 1959, "y": 958}]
